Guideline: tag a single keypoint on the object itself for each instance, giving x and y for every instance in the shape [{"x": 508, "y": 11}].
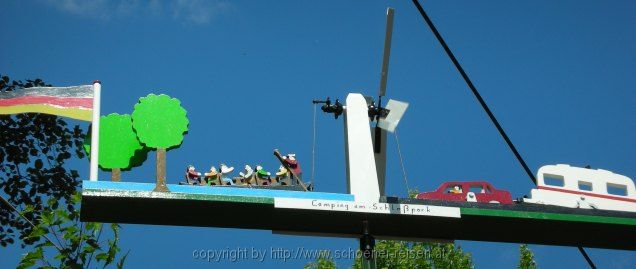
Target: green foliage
[
  {"x": 118, "y": 142},
  {"x": 526, "y": 258},
  {"x": 413, "y": 193},
  {"x": 324, "y": 261},
  {"x": 401, "y": 254},
  {"x": 160, "y": 121},
  {"x": 33, "y": 151},
  {"x": 450, "y": 256},
  {"x": 73, "y": 244}
]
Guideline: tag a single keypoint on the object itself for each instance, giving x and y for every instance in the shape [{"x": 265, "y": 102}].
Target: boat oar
[{"x": 280, "y": 159}]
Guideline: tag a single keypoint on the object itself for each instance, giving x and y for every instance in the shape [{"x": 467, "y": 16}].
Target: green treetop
[
  {"x": 118, "y": 143},
  {"x": 141, "y": 155},
  {"x": 160, "y": 121}
]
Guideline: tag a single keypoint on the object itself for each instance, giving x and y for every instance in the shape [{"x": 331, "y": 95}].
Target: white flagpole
[{"x": 97, "y": 89}]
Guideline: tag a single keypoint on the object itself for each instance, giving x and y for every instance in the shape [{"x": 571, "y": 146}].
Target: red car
[{"x": 468, "y": 191}]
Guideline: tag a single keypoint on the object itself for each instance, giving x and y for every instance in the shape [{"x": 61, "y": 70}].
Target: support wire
[
  {"x": 406, "y": 181},
  {"x": 472, "y": 87},
  {"x": 313, "y": 149}
]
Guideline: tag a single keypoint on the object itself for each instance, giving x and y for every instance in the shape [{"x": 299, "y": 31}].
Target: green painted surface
[
  {"x": 546, "y": 216},
  {"x": 118, "y": 143},
  {"x": 160, "y": 121},
  {"x": 180, "y": 196},
  {"x": 141, "y": 155}
]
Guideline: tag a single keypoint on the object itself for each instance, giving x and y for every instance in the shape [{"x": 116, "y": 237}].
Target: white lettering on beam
[{"x": 367, "y": 207}]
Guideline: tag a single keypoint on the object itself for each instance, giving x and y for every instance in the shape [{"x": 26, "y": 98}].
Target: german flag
[{"x": 74, "y": 102}]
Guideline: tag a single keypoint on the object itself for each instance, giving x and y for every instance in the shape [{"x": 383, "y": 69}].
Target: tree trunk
[
  {"x": 161, "y": 171},
  {"x": 115, "y": 175}
]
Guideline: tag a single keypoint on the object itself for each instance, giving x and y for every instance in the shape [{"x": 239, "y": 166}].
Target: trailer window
[
  {"x": 616, "y": 189},
  {"x": 553, "y": 180},
  {"x": 585, "y": 186}
]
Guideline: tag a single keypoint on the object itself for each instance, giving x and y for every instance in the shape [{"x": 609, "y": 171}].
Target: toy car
[
  {"x": 468, "y": 191},
  {"x": 579, "y": 187}
]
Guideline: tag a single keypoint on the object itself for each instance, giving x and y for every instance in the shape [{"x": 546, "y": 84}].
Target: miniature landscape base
[{"x": 254, "y": 208}]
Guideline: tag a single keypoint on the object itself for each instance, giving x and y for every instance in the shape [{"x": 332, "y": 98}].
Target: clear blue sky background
[{"x": 559, "y": 76}]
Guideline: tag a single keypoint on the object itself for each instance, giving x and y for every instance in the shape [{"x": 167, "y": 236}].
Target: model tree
[
  {"x": 160, "y": 123},
  {"x": 119, "y": 148},
  {"x": 141, "y": 155}
]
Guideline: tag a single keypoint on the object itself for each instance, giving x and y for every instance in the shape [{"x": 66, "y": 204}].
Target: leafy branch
[{"x": 78, "y": 244}]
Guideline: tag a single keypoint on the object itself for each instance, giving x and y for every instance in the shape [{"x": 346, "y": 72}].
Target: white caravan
[{"x": 576, "y": 187}]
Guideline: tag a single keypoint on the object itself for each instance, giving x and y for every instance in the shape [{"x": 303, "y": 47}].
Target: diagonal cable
[
  {"x": 472, "y": 87},
  {"x": 475, "y": 92},
  {"x": 406, "y": 181}
]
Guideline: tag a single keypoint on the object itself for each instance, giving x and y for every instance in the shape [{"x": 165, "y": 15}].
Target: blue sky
[{"x": 558, "y": 75}]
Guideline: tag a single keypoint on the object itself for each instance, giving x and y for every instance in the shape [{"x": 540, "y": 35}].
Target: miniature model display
[
  {"x": 282, "y": 175},
  {"x": 261, "y": 173},
  {"x": 249, "y": 176},
  {"x": 290, "y": 164},
  {"x": 74, "y": 102},
  {"x": 290, "y": 160},
  {"x": 118, "y": 144},
  {"x": 212, "y": 177},
  {"x": 469, "y": 191},
  {"x": 564, "y": 195},
  {"x": 557, "y": 185},
  {"x": 225, "y": 170},
  {"x": 160, "y": 122},
  {"x": 577, "y": 187},
  {"x": 192, "y": 176},
  {"x": 245, "y": 176},
  {"x": 263, "y": 177},
  {"x": 456, "y": 189},
  {"x": 563, "y": 110}
]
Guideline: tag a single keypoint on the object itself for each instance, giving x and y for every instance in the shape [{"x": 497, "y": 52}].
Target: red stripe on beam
[
  {"x": 56, "y": 101},
  {"x": 588, "y": 194}
]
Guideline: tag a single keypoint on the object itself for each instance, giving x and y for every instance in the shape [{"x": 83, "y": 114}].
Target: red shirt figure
[
  {"x": 192, "y": 174},
  {"x": 291, "y": 161}
]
